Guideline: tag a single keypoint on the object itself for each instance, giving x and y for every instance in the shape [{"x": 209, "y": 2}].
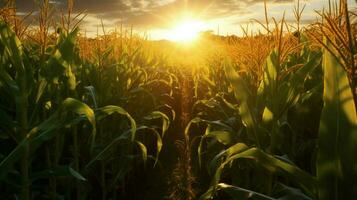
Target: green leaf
[
  {"x": 58, "y": 171},
  {"x": 76, "y": 174},
  {"x": 289, "y": 193},
  {"x": 282, "y": 93},
  {"x": 61, "y": 60},
  {"x": 198, "y": 120},
  {"x": 109, "y": 110},
  {"x": 66, "y": 45},
  {"x": 217, "y": 160},
  {"x": 290, "y": 90},
  {"x": 235, "y": 192},
  {"x": 71, "y": 78},
  {"x": 158, "y": 141},
  {"x": 337, "y": 158},
  {"x": 268, "y": 116},
  {"x": 8, "y": 162},
  {"x": 13, "y": 46},
  {"x": 241, "y": 92},
  {"x": 123, "y": 138},
  {"x": 121, "y": 170},
  {"x": 144, "y": 152},
  {"x": 199, "y": 149},
  {"x": 224, "y": 137},
  {"x": 164, "y": 117},
  {"x": 270, "y": 163},
  {"x": 46, "y": 130},
  {"x": 271, "y": 73},
  {"x": 80, "y": 108}
]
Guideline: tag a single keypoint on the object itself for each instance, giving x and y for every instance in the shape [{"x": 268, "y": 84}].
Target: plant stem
[
  {"x": 51, "y": 178},
  {"x": 104, "y": 191},
  {"x": 25, "y": 174},
  {"x": 25, "y": 190},
  {"x": 76, "y": 158}
]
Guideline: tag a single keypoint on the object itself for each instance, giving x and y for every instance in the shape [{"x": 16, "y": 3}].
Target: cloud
[
  {"x": 92, "y": 6},
  {"x": 152, "y": 13},
  {"x": 162, "y": 14}
]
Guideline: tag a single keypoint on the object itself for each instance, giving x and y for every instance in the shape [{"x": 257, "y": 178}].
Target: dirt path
[
  {"x": 172, "y": 178},
  {"x": 182, "y": 179}
]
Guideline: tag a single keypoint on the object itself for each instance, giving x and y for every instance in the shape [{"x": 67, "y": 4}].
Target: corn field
[{"x": 265, "y": 116}]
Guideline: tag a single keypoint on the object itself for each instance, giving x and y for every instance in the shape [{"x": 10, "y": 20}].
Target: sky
[{"x": 156, "y": 18}]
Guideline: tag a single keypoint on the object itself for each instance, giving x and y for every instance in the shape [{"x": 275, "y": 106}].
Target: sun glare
[{"x": 186, "y": 31}]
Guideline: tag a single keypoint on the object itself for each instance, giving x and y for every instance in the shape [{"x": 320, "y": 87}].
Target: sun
[{"x": 186, "y": 31}]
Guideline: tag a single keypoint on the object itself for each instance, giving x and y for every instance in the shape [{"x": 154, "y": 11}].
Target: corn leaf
[
  {"x": 242, "y": 95},
  {"x": 235, "y": 192},
  {"x": 270, "y": 163},
  {"x": 109, "y": 110},
  {"x": 60, "y": 171},
  {"x": 158, "y": 140},
  {"x": 165, "y": 120},
  {"x": 337, "y": 157},
  {"x": 46, "y": 130}
]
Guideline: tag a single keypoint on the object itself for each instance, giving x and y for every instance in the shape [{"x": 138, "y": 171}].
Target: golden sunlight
[{"x": 186, "y": 31}]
